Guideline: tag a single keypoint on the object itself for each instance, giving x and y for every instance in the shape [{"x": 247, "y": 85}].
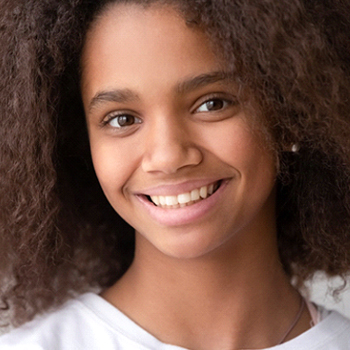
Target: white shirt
[{"x": 89, "y": 323}]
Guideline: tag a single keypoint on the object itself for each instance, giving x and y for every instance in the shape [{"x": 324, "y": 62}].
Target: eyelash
[
  {"x": 227, "y": 102},
  {"x": 115, "y": 115}
]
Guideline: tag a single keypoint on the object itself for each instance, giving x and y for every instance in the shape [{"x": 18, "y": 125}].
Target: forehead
[{"x": 156, "y": 39}]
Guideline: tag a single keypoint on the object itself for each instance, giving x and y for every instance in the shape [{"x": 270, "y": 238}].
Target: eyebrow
[
  {"x": 202, "y": 80},
  {"x": 117, "y": 95},
  {"x": 190, "y": 84}
]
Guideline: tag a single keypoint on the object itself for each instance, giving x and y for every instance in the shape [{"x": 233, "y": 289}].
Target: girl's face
[{"x": 172, "y": 148}]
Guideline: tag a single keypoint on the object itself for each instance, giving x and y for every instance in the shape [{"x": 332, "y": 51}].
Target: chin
[{"x": 190, "y": 245}]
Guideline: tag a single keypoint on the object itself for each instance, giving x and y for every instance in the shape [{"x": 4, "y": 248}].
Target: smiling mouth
[{"x": 184, "y": 199}]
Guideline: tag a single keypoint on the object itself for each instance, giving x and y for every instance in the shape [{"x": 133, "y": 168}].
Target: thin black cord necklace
[{"x": 291, "y": 327}]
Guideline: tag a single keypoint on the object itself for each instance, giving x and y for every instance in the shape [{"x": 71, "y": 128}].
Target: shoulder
[
  {"x": 78, "y": 324},
  {"x": 332, "y": 333},
  {"x": 88, "y": 322}
]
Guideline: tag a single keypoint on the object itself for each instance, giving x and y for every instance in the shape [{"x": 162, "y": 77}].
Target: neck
[{"x": 241, "y": 293}]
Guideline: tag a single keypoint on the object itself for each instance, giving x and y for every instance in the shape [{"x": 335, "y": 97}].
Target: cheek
[
  {"x": 237, "y": 146},
  {"x": 111, "y": 167}
]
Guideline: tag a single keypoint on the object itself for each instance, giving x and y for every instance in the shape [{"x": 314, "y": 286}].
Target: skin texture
[
  {"x": 291, "y": 56},
  {"x": 173, "y": 144},
  {"x": 213, "y": 265}
]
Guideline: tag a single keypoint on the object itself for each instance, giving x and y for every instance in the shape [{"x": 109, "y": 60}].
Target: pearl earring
[{"x": 295, "y": 147}]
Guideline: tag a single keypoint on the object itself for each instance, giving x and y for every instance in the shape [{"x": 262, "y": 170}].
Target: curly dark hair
[{"x": 58, "y": 234}]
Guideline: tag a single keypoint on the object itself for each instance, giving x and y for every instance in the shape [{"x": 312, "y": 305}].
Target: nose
[{"x": 169, "y": 147}]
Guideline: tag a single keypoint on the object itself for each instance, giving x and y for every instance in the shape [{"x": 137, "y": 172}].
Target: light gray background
[{"x": 321, "y": 292}]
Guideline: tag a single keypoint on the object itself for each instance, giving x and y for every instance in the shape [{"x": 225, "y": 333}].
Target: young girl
[{"x": 218, "y": 130}]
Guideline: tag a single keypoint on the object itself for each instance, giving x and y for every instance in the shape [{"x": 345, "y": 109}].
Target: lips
[
  {"x": 193, "y": 211},
  {"x": 184, "y": 199}
]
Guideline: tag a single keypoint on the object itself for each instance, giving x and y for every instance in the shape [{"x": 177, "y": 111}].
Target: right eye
[{"x": 122, "y": 120}]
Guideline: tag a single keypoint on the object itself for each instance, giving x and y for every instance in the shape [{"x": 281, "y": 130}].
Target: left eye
[{"x": 214, "y": 104}]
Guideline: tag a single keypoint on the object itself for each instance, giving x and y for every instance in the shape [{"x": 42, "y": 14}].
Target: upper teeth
[{"x": 184, "y": 198}]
